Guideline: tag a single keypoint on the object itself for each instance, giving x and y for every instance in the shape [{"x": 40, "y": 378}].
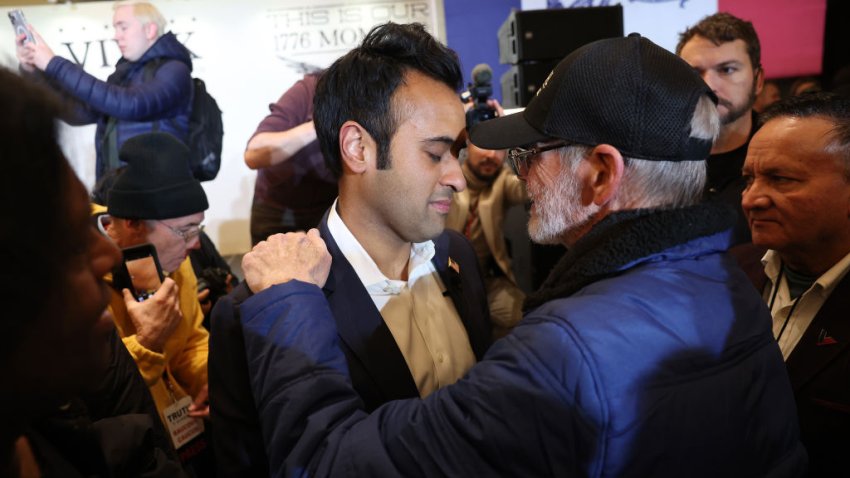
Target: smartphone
[
  {"x": 19, "y": 22},
  {"x": 139, "y": 272}
]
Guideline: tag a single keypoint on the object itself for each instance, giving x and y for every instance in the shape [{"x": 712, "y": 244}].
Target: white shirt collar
[
  {"x": 826, "y": 282},
  {"x": 375, "y": 282}
]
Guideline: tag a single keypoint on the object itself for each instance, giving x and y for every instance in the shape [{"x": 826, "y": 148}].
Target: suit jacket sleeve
[
  {"x": 496, "y": 421},
  {"x": 170, "y": 88}
]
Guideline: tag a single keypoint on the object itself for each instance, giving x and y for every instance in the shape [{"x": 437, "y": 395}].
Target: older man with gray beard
[{"x": 645, "y": 353}]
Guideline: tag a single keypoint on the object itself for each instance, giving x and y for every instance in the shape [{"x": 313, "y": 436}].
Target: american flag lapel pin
[
  {"x": 825, "y": 339},
  {"x": 454, "y": 265}
]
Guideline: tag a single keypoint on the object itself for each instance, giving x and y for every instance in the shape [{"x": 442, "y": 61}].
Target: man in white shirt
[
  {"x": 407, "y": 297},
  {"x": 797, "y": 202}
]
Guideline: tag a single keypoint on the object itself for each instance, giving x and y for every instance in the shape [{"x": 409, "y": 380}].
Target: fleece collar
[{"x": 624, "y": 239}]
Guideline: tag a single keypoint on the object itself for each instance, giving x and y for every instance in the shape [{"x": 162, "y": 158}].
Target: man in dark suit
[
  {"x": 407, "y": 296},
  {"x": 797, "y": 203}
]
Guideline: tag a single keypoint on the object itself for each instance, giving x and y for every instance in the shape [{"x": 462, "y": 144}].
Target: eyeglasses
[
  {"x": 520, "y": 158},
  {"x": 188, "y": 233}
]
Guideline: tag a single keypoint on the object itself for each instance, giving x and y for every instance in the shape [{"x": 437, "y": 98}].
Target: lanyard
[
  {"x": 773, "y": 300},
  {"x": 169, "y": 386}
]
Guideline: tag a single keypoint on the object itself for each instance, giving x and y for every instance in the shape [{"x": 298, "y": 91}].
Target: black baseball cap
[{"x": 627, "y": 92}]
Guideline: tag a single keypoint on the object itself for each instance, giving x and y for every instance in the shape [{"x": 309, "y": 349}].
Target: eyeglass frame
[
  {"x": 520, "y": 158},
  {"x": 186, "y": 236}
]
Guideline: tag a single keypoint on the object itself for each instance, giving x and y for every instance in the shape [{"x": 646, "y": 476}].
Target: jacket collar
[
  {"x": 625, "y": 239},
  {"x": 361, "y": 327},
  {"x": 825, "y": 340},
  {"x": 166, "y": 47}
]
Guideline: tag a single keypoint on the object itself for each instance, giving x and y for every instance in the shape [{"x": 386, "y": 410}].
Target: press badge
[{"x": 181, "y": 426}]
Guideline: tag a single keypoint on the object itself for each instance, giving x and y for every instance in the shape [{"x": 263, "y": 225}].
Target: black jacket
[{"x": 114, "y": 430}]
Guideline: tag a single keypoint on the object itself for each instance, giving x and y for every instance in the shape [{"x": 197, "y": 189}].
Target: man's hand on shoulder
[{"x": 284, "y": 257}]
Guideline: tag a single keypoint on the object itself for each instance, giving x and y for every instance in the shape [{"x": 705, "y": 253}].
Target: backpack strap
[
  {"x": 148, "y": 72},
  {"x": 109, "y": 144}
]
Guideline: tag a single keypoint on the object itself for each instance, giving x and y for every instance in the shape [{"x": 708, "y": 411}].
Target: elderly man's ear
[
  {"x": 356, "y": 147},
  {"x": 606, "y": 173}
]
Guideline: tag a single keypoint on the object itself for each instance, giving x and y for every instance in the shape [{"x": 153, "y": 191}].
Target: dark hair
[
  {"x": 360, "y": 85},
  {"x": 840, "y": 83},
  {"x": 722, "y": 28},
  {"x": 813, "y": 88},
  {"x": 34, "y": 189},
  {"x": 829, "y": 106}
]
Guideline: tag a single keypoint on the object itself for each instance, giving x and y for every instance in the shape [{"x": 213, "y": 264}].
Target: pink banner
[{"x": 791, "y": 33}]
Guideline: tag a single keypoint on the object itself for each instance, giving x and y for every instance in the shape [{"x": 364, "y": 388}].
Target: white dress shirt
[
  {"x": 423, "y": 321},
  {"x": 796, "y": 315}
]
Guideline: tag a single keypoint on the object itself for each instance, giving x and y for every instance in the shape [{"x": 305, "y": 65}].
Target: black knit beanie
[{"x": 157, "y": 182}]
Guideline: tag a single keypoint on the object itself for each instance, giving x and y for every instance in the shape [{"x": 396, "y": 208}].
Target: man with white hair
[
  {"x": 150, "y": 90},
  {"x": 645, "y": 353}
]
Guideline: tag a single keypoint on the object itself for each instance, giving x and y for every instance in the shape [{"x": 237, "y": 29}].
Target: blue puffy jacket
[
  {"x": 163, "y": 103},
  {"x": 650, "y": 354}
]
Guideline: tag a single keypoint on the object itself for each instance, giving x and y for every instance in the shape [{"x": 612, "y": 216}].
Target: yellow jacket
[{"x": 183, "y": 361}]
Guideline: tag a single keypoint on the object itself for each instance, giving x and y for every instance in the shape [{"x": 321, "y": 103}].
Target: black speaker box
[
  {"x": 535, "y": 35},
  {"x": 521, "y": 82}
]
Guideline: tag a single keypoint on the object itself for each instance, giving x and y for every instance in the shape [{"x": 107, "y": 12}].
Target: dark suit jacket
[
  {"x": 377, "y": 368},
  {"x": 819, "y": 368}
]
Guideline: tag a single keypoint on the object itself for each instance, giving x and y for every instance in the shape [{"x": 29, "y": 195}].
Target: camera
[
  {"x": 216, "y": 280},
  {"x": 480, "y": 91}
]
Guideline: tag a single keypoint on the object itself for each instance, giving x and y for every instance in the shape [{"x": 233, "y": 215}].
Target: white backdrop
[{"x": 248, "y": 53}]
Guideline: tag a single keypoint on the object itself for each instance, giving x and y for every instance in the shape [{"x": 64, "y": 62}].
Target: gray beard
[{"x": 558, "y": 210}]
